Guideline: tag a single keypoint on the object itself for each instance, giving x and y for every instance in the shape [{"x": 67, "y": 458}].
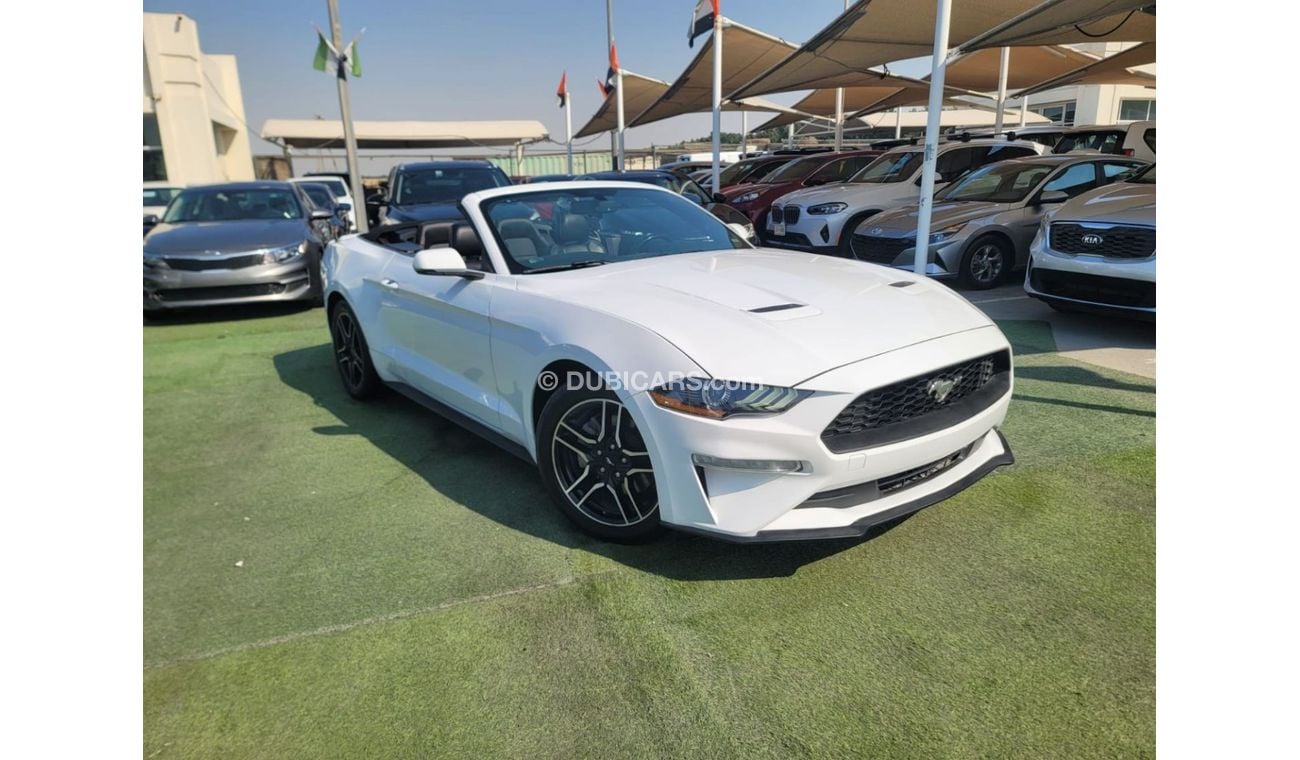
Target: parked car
[
  {"x": 156, "y": 197},
  {"x": 1098, "y": 252},
  {"x": 322, "y": 197},
  {"x": 234, "y": 243},
  {"x": 1137, "y": 140},
  {"x": 749, "y": 170},
  {"x": 700, "y": 160},
  {"x": 1047, "y": 135},
  {"x": 683, "y": 186},
  {"x": 981, "y": 226},
  {"x": 755, "y": 199},
  {"x": 338, "y": 187},
  {"x": 550, "y": 178},
  {"x": 660, "y": 371},
  {"x": 823, "y": 219},
  {"x": 431, "y": 191}
]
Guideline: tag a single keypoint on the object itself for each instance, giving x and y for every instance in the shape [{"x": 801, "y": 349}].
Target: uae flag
[
  {"x": 562, "y": 92},
  {"x": 608, "y": 86},
  {"x": 702, "y": 19}
]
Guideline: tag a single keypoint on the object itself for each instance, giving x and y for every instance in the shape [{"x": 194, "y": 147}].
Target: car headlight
[
  {"x": 827, "y": 208},
  {"x": 719, "y": 399},
  {"x": 154, "y": 260},
  {"x": 946, "y": 233},
  {"x": 284, "y": 253},
  {"x": 747, "y": 197}
]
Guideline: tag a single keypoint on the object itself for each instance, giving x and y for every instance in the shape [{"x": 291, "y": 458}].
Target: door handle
[{"x": 390, "y": 284}]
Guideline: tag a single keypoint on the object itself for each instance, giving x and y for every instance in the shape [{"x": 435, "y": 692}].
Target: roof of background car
[
  {"x": 257, "y": 184},
  {"x": 417, "y": 165},
  {"x": 613, "y": 176}
]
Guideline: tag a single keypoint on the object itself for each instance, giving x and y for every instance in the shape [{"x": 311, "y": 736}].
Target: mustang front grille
[
  {"x": 920, "y": 405},
  {"x": 1117, "y": 241},
  {"x": 879, "y": 250}
]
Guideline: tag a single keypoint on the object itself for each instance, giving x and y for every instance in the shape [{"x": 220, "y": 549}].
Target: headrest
[
  {"x": 517, "y": 228},
  {"x": 571, "y": 228},
  {"x": 465, "y": 240},
  {"x": 436, "y": 233}
]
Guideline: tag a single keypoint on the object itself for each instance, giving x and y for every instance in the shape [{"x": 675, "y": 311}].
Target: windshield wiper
[{"x": 564, "y": 267}]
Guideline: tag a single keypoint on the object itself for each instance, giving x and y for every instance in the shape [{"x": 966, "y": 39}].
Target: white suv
[
  {"x": 823, "y": 219},
  {"x": 1137, "y": 139}
]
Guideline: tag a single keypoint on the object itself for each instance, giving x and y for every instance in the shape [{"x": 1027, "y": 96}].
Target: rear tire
[
  {"x": 596, "y": 466},
  {"x": 986, "y": 263},
  {"x": 352, "y": 354}
]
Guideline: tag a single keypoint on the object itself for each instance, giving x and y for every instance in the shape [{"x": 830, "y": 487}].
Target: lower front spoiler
[{"x": 861, "y": 527}]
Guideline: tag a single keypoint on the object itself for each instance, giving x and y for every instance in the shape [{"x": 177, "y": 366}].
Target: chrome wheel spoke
[{"x": 600, "y": 463}]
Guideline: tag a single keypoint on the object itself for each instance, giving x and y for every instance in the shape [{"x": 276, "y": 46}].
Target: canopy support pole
[
  {"x": 898, "y": 123},
  {"x": 1002, "y": 90},
  {"x": 717, "y": 101},
  {"x": 938, "y": 68},
  {"x": 744, "y": 133},
  {"x": 622, "y": 125},
  {"x": 568, "y": 127},
  {"x": 345, "y": 111},
  {"x": 789, "y": 136},
  {"x": 1024, "y": 107},
  {"x": 839, "y": 110}
]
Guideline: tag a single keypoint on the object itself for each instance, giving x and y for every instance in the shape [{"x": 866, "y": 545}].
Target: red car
[{"x": 755, "y": 198}]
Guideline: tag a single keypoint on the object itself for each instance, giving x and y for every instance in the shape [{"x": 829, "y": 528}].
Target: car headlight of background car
[
  {"x": 719, "y": 399},
  {"x": 284, "y": 253},
  {"x": 946, "y": 233},
  {"x": 827, "y": 208},
  {"x": 747, "y": 197}
]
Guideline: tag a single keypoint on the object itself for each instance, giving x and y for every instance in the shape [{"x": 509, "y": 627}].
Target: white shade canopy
[
  {"x": 639, "y": 91},
  {"x": 951, "y": 117},
  {"x": 1028, "y": 65},
  {"x": 746, "y": 53},
  {"x": 875, "y": 32},
  {"x": 1113, "y": 70}
]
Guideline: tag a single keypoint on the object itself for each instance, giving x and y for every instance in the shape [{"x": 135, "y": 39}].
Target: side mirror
[
  {"x": 743, "y": 231},
  {"x": 150, "y": 220},
  {"x": 1052, "y": 196},
  {"x": 719, "y": 198},
  {"x": 321, "y": 214},
  {"x": 344, "y": 207},
  {"x": 443, "y": 261}
]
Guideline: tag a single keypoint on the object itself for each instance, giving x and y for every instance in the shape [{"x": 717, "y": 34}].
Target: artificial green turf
[{"x": 406, "y": 590}]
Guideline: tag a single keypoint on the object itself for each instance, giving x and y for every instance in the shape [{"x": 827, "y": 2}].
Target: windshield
[
  {"x": 1104, "y": 141},
  {"x": 743, "y": 170},
  {"x": 553, "y": 230},
  {"x": 1145, "y": 176},
  {"x": 336, "y": 186},
  {"x": 219, "y": 205},
  {"x": 997, "y": 183},
  {"x": 891, "y": 167},
  {"x": 319, "y": 195},
  {"x": 443, "y": 185},
  {"x": 793, "y": 171},
  {"x": 159, "y": 196}
]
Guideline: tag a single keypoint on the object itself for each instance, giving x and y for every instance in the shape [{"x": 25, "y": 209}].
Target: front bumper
[
  {"x": 838, "y": 495},
  {"x": 1095, "y": 282},
  {"x": 819, "y": 233},
  {"x": 175, "y": 289}
]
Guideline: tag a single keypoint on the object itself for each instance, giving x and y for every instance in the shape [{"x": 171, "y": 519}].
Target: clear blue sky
[{"x": 475, "y": 59}]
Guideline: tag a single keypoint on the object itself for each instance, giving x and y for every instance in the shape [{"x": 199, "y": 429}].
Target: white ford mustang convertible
[{"x": 662, "y": 372}]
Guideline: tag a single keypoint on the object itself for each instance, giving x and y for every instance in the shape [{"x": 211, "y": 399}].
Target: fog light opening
[
  {"x": 774, "y": 466},
  {"x": 826, "y": 233}
]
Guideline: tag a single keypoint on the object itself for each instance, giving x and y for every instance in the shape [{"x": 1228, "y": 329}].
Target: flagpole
[
  {"x": 349, "y": 136},
  {"x": 568, "y": 127},
  {"x": 609, "y": 43},
  {"x": 839, "y": 109},
  {"x": 717, "y": 101},
  {"x": 618, "y": 83}
]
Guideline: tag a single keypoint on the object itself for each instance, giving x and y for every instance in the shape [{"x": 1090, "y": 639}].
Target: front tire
[
  {"x": 352, "y": 354},
  {"x": 596, "y": 466},
  {"x": 986, "y": 263}
]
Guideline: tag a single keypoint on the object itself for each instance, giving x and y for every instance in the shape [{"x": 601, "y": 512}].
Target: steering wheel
[{"x": 646, "y": 243}]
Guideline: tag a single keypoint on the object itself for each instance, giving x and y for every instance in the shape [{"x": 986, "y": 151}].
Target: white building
[{"x": 194, "y": 130}]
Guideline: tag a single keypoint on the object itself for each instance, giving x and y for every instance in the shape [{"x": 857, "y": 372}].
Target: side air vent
[
  {"x": 901, "y": 284},
  {"x": 776, "y": 307}
]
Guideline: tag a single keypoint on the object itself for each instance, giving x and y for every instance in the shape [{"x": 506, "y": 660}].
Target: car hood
[
  {"x": 901, "y": 222},
  {"x": 841, "y": 191},
  {"x": 704, "y": 304},
  {"x": 425, "y": 212},
  {"x": 765, "y": 190},
  {"x": 1127, "y": 203},
  {"x": 224, "y": 237}
]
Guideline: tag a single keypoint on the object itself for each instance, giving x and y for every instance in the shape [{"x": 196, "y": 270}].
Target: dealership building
[{"x": 194, "y": 128}]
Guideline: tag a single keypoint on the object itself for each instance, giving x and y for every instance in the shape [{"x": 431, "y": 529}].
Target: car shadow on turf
[{"x": 472, "y": 472}]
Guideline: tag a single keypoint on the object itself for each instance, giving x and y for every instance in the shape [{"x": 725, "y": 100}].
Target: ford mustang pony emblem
[
  {"x": 940, "y": 387},
  {"x": 1092, "y": 239}
]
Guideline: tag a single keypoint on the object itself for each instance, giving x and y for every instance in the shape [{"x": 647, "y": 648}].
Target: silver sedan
[{"x": 982, "y": 225}]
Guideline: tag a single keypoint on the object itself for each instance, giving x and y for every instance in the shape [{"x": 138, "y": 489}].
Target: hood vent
[{"x": 776, "y": 307}]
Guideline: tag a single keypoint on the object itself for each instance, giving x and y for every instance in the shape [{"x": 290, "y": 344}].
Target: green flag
[
  {"x": 353, "y": 58},
  {"x": 322, "y": 53}
]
